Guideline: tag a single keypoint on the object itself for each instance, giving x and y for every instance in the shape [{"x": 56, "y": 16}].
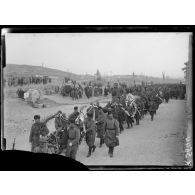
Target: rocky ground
[{"x": 158, "y": 142}]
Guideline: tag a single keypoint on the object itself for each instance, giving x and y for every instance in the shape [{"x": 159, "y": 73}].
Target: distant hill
[
  {"x": 139, "y": 78},
  {"x": 14, "y": 69},
  {"x": 27, "y": 70}
]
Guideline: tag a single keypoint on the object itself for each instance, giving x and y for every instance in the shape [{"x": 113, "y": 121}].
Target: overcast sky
[{"x": 112, "y": 53}]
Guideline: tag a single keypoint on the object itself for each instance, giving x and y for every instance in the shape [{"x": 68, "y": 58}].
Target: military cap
[{"x": 37, "y": 117}]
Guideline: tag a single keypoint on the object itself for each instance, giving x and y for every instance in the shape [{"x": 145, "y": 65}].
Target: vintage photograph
[{"x": 100, "y": 98}]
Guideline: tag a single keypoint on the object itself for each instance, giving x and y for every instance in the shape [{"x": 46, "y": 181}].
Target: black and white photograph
[{"x": 100, "y": 98}]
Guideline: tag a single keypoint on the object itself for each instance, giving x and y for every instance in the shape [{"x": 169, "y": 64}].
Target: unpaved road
[
  {"x": 158, "y": 142},
  {"x": 18, "y": 116}
]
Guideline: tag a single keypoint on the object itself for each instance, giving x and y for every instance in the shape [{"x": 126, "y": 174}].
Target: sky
[{"x": 149, "y": 54}]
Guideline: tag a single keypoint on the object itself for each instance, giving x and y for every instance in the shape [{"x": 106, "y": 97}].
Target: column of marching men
[{"x": 105, "y": 123}]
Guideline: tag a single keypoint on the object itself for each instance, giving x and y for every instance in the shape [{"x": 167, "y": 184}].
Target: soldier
[
  {"x": 166, "y": 96},
  {"x": 111, "y": 128},
  {"x": 137, "y": 116},
  {"x": 38, "y": 129},
  {"x": 74, "y": 115},
  {"x": 129, "y": 118},
  {"x": 114, "y": 111},
  {"x": 105, "y": 92},
  {"x": 100, "y": 126},
  {"x": 62, "y": 133},
  {"x": 152, "y": 109},
  {"x": 73, "y": 140},
  {"x": 121, "y": 117},
  {"x": 90, "y": 133}
]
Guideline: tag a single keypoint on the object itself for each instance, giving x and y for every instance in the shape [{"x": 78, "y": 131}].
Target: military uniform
[
  {"x": 90, "y": 134},
  {"x": 111, "y": 127},
  {"x": 129, "y": 119},
  {"x": 73, "y": 139},
  {"x": 37, "y": 129},
  {"x": 152, "y": 109},
  {"x": 121, "y": 117},
  {"x": 114, "y": 112},
  {"x": 100, "y": 126},
  {"x": 73, "y": 116},
  {"x": 137, "y": 116},
  {"x": 61, "y": 126}
]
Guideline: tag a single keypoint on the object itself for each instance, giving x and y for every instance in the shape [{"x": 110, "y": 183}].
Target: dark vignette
[{"x": 21, "y": 160}]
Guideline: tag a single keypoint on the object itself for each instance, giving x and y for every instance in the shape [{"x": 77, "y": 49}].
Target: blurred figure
[
  {"x": 100, "y": 126},
  {"x": 90, "y": 133},
  {"x": 73, "y": 140},
  {"x": 111, "y": 128}
]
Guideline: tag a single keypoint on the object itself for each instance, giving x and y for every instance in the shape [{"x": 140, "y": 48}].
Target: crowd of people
[
  {"x": 128, "y": 106},
  {"x": 26, "y": 80},
  {"x": 77, "y": 90}
]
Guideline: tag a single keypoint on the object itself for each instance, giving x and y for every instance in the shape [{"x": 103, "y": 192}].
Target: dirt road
[
  {"x": 18, "y": 116},
  {"x": 158, "y": 142}
]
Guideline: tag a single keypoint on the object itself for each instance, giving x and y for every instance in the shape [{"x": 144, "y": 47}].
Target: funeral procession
[{"x": 103, "y": 106}]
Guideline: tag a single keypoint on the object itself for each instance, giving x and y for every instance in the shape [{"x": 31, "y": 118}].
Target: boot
[
  {"x": 89, "y": 153},
  {"x": 111, "y": 152},
  {"x": 101, "y": 142},
  {"x": 94, "y": 147}
]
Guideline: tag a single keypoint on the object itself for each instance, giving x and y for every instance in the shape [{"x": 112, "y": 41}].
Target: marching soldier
[
  {"x": 74, "y": 115},
  {"x": 61, "y": 127},
  {"x": 137, "y": 116},
  {"x": 111, "y": 128},
  {"x": 129, "y": 118},
  {"x": 100, "y": 126},
  {"x": 121, "y": 116},
  {"x": 73, "y": 140},
  {"x": 90, "y": 133},
  {"x": 152, "y": 109},
  {"x": 39, "y": 128}
]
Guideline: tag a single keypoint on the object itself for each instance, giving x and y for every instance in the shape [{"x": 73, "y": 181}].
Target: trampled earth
[{"x": 158, "y": 142}]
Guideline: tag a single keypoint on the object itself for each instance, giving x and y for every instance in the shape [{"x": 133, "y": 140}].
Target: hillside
[
  {"x": 13, "y": 69},
  {"x": 27, "y": 70}
]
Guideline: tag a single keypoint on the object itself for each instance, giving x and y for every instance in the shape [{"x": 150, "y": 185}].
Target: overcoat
[
  {"x": 111, "y": 127},
  {"x": 100, "y": 124},
  {"x": 90, "y": 131}
]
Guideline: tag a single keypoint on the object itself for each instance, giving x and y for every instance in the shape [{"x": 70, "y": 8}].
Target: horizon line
[{"x": 105, "y": 75}]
